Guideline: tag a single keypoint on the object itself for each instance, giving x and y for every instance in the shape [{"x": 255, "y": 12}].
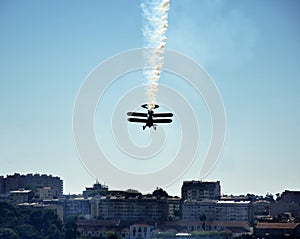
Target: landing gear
[
  {"x": 154, "y": 127},
  {"x": 144, "y": 127}
]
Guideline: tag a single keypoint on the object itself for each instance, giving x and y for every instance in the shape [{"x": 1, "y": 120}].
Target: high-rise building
[
  {"x": 241, "y": 211},
  {"x": 1, "y": 184},
  {"x": 46, "y": 193},
  {"x": 288, "y": 202},
  {"x": 199, "y": 210},
  {"x": 32, "y": 182},
  {"x": 201, "y": 190},
  {"x": 97, "y": 189},
  {"x": 130, "y": 209},
  {"x": 212, "y": 210},
  {"x": 290, "y": 196},
  {"x": 74, "y": 207},
  {"x": 174, "y": 208}
]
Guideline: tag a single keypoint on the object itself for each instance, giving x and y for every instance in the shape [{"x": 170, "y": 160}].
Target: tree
[
  {"x": 29, "y": 223},
  {"x": 71, "y": 228},
  {"x": 36, "y": 219},
  {"x": 51, "y": 218},
  {"x": 54, "y": 233},
  {"x": 269, "y": 197},
  {"x": 159, "y": 192},
  {"x": 112, "y": 235},
  {"x": 278, "y": 196},
  {"x": 8, "y": 214},
  {"x": 8, "y": 233},
  {"x": 26, "y": 231}
]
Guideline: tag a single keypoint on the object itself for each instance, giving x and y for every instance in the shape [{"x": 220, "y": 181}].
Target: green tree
[
  {"x": 71, "y": 228},
  {"x": 112, "y": 235},
  {"x": 8, "y": 214},
  {"x": 36, "y": 219},
  {"x": 28, "y": 223},
  {"x": 51, "y": 218},
  {"x": 54, "y": 233},
  {"x": 159, "y": 192},
  {"x": 8, "y": 233},
  {"x": 26, "y": 231}
]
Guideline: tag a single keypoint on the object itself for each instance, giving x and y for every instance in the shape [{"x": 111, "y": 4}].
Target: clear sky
[{"x": 250, "y": 48}]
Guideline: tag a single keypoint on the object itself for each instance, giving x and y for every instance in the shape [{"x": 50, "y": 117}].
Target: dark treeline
[{"x": 28, "y": 223}]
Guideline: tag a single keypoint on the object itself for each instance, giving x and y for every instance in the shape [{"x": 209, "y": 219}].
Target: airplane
[{"x": 150, "y": 117}]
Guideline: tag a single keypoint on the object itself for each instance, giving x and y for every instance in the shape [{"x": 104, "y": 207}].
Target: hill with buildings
[{"x": 201, "y": 211}]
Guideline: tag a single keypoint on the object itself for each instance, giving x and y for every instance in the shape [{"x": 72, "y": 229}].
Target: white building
[
  {"x": 196, "y": 210},
  {"x": 212, "y": 210},
  {"x": 234, "y": 211},
  {"x": 201, "y": 190},
  {"x": 47, "y": 193},
  {"x": 130, "y": 209},
  {"x": 76, "y": 207},
  {"x": 140, "y": 231}
]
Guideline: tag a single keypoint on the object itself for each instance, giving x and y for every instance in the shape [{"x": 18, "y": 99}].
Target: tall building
[
  {"x": 130, "y": 209},
  {"x": 97, "y": 189},
  {"x": 174, "y": 208},
  {"x": 261, "y": 207},
  {"x": 12, "y": 182},
  {"x": 199, "y": 210},
  {"x": 1, "y": 184},
  {"x": 47, "y": 193},
  {"x": 201, "y": 190},
  {"x": 32, "y": 182},
  {"x": 289, "y": 202},
  {"x": 74, "y": 207},
  {"x": 290, "y": 196},
  {"x": 212, "y": 210},
  {"x": 241, "y": 211}
]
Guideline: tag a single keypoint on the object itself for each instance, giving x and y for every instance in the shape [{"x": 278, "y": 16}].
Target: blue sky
[{"x": 250, "y": 48}]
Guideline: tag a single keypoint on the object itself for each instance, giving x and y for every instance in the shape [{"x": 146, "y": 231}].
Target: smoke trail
[{"x": 155, "y": 13}]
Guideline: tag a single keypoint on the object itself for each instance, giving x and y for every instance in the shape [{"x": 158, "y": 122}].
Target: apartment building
[
  {"x": 33, "y": 182},
  {"x": 130, "y": 209},
  {"x": 74, "y": 207},
  {"x": 213, "y": 210},
  {"x": 201, "y": 190}
]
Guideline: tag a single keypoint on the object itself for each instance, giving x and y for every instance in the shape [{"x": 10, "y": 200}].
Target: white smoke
[{"x": 155, "y": 13}]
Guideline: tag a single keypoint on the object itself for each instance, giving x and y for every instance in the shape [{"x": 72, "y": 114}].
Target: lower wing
[
  {"x": 162, "y": 115},
  {"x": 137, "y": 120},
  {"x": 137, "y": 114},
  {"x": 162, "y": 120}
]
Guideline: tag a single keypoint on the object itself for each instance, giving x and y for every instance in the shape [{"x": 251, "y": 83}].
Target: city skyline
[
  {"x": 251, "y": 51},
  {"x": 9, "y": 183},
  {"x": 100, "y": 212}
]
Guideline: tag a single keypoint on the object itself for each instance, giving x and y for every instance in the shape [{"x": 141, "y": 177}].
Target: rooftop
[
  {"x": 20, "y": 191},
  {"x": 277, "y": 225},
  {"x": 234, "y": 202}
]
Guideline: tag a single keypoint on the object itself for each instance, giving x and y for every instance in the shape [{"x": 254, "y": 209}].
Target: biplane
[{"x": 150, "y": 118}]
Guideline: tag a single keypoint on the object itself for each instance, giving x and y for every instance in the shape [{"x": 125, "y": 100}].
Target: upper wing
[
  {"x": 137, "y": 114},
  {"x": 146, "y": 106},
  {"x": 162, "y": 115},
  {"x": 162, "y": 120},
  {"x": 137, "y": 120}
]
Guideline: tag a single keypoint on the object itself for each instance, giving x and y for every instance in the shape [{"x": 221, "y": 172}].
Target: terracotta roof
[
  {"x": 125, "y": 229},
  {"x": 98, "y": 222},
  {"x": 208, "y": 223},
  {"x": 277, "y": 225},
  {"x": 140, "y": 225}
]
